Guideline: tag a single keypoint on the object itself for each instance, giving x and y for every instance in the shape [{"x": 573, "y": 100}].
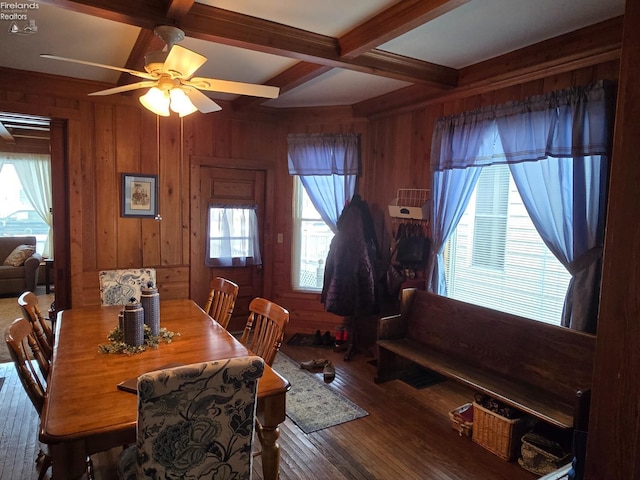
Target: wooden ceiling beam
[
  {"x": 179, "y": 8},
  {"x": 396, "y": 20},
  {"x": 147, "y": 41},
  {"x": 602, "y": 40},
  {"x": 141, "y": 13},
  {"x": 298, "y": 74},
  {"x": 230, "y": 28},
  {"x": 582, "y": 48}
]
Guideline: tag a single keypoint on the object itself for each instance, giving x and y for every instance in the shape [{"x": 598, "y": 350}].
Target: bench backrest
[{"x": 555, "y": 359}]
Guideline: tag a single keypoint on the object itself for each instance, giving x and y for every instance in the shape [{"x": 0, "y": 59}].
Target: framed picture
[{"x": 139, "y": 195}]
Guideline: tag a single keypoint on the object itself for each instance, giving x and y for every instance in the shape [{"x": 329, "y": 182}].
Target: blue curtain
[
  {"x": 557, "y": 148},
  {"x": 455, "y": 139},
  {"x": 327, "y": 165},
  {"x": 564, "y": 191}
]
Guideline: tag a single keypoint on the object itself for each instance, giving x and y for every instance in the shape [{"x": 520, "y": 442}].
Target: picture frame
[{"x": 139, "y": 195}]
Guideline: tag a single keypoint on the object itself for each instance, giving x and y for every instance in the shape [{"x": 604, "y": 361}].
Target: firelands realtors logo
[{"x": 17, "y": 14}]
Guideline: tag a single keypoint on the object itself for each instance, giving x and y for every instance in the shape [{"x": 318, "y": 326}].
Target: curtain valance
[
  {"x": 323, "y": 154},
  {"x": 568, "y": 123}
]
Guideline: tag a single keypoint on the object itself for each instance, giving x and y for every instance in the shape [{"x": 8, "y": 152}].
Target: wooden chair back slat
[
  {"x": 43, "y": 333},
  {"x": 23, "y": 346},
  {"x": 265, "y": 328},
  {"x": 221, "y": 301}
]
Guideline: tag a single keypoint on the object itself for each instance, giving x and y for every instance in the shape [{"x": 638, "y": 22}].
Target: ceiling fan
[{"x": 168, "y": 75}]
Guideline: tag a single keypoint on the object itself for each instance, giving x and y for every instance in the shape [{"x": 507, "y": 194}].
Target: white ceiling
[{"x": 473, "y": 32}]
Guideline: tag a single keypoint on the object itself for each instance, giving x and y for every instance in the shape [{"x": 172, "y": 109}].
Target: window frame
[
  {"x": 296, "y": 246},
  {"x": 508, "y": 294}
]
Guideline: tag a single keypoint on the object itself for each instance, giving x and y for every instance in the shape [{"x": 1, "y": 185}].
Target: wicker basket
[
  {"x": 541, "y": 455},
  {"x": 462, "y": 419},
  {"x": 499, "y": 435}
]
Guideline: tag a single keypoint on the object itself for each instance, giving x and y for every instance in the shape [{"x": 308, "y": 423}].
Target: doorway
[
  {"x": 25, "y": 134},
  {"x": 233, "y": 187}
]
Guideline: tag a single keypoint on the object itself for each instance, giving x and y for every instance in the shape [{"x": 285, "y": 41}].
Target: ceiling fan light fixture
[
  {"x": 180, "y": 103},
  {"x": 157, "y": 101}
]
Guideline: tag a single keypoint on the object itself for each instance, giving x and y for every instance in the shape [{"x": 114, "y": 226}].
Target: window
[
  {"x": 233, "y": 236},
  {"x": 17, "y": 214},
  {"x": 495, "y": 257},
  {"x": 311, "y": 240}
]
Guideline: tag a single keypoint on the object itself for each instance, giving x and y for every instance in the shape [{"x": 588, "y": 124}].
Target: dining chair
[
  {"x": 42, "y": 331},
  {"x": 264, "y": 331},
  {"x": 117, "y": 287},
  {"x": 222, "y": 298},
  {"x": 195, "y": 421},
  {"x": 22, "y": 346}
]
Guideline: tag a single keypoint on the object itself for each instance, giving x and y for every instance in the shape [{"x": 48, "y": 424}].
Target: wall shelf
[{"x": 411, "y": 204}]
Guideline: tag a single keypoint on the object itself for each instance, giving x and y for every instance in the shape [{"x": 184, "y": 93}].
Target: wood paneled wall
[
  {"x": 112, "y": 135},
  {"x": 395, "y": 154},
  {"x": 109, "y": 136},
  {"x": 307, "y": 313}
]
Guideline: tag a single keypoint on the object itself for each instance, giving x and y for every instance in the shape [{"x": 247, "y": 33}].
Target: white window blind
[
  {"x": 496, "y": 258},
  {"x": 311, "y": 240}
]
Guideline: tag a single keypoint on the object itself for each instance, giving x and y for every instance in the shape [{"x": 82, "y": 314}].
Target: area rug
[
  {"x": 311, "y": 404},
  {"x": 306, "y": 340}
]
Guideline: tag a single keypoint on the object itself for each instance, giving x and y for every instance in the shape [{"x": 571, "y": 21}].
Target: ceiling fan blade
[
  {"x": 93, "y": 64},
  {"x": 201, "y": 101},
  {"x": 183, "y": 61},
  {"x": 240, "y": 88},
  {"x": 126, "y": 88}
]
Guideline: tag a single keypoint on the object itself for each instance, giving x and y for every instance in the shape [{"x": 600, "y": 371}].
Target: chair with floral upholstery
[
  {"x": 117, "y": 287},
  {"x": 195, "y": 421}
]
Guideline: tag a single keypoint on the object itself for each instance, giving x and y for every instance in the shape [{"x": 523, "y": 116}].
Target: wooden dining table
[{"x": 84, "y": 411}]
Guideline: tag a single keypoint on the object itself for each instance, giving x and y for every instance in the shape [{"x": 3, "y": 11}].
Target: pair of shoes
[
  {"x": 314, "y": 364},
  {"x": 329, "y": 372},
  {"x": 317, "y": 338}
]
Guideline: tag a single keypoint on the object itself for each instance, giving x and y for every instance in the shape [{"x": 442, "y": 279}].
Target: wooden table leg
[
  {"x": 270, "y": 451},
  {"x": 69, "y": 460},
  {"x": 271, "y": 413}
]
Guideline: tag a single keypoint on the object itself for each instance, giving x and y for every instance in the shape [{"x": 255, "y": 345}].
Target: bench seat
[
  {"x": 549, "y": 408},
  {"x": 540, "y": 369}
]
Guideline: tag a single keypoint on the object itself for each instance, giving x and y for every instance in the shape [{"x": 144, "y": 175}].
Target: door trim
[{"x": 197, "y": 236}]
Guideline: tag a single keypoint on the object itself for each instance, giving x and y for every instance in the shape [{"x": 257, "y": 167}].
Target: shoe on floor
[
  {"x": 327, "y": 339},
  {"x": 317, "y": 338},
  {"x": 314, "y": 364},
  {"x": 329, "y": 372}
]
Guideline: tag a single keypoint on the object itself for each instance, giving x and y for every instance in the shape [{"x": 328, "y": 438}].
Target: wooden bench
[{"x": 541, "y": 369}]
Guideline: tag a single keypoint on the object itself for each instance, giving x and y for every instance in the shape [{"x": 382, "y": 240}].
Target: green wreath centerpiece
[{"x": 117, "y": 344}]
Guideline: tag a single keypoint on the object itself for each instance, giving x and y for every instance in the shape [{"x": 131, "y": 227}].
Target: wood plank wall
[{"x": 112, "y": 135}]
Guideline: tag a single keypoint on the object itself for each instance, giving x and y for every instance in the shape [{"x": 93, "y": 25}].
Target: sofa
[{"x": 19, "y": 264}]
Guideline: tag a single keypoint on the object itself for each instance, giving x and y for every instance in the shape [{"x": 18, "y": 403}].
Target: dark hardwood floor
[{"x": 407, "y": 434}]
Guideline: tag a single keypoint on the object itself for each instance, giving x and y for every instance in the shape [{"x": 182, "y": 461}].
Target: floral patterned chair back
[
  {"x": 195, "y": 421},
  {"x": 117, "y": 287}
]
